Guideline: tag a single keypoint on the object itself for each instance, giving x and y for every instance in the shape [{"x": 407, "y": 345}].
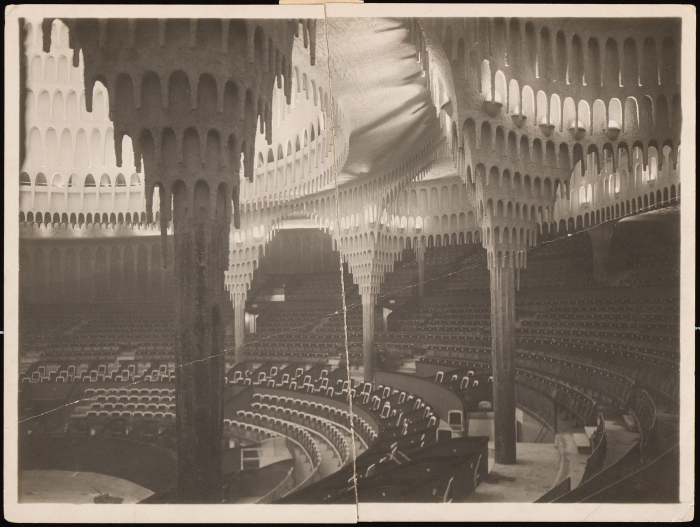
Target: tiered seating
[
  {"x": 334, "y": 326},
  {"x": 633, "y": 337},
  {"x": 98, "y": 372},
  {"x": 445, "y": 322},
  {"x": 605, "y": 346},
  {"x": 325, "y": 412},
  {"x": 297, "y": 332},
  {"x": 440, "y": 329},
  {"x": 654, "y": 269},
  {"x": 321, "y": 425},
  {"x": 259, "y": 427},
  {"x": 403, "y": 281},
  {"x": 317, "y": 286},
  {"x": 551, "y": 386},
  {"x": 646, "y": 252},
  {"x": 146, "y": 402},
  {"x": 248, "y": 431},
  {"x": 575, "y": 401},
  {"x": 143, "y": 413},
  {"x": 447, "y": 255},
  {"x": 285, "y": 318},
  {"x": 407, "y": 430},
  {"x": 562, "y": 264},
  {"x": 295, "y": 375},
  {"x": 582, "y": 349},
  {"x": 42, "y": 324},
  {"x": 353, "y": 318},
  {"x": 99, "y": 331},
  {"x": 473, "y": 386},
  {"x": 613, "y": 388},
  {"x": 566, "y": 263},
  {"x": 301, "y": 333},
  {"x": 401, "y": 421},
  {"x": 634, "y": 323},
  {"x": 404, "y": 425},
  {"x": 278, "y": 427},
  {"x": 469, "y": 275}
]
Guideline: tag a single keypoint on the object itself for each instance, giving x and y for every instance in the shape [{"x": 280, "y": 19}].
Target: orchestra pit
[{"x": 448, "y": 273}]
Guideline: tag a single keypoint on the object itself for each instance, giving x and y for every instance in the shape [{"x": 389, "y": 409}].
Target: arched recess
[
  {"x": 611, "y": 75},
  {"x": 630, "y": 66}
]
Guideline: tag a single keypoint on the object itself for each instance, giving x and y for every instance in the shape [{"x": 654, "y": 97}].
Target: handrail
[
  {"x": 648, "y": 479},
  {"x": 555, "y": 492},
  {"x": 595, "y": 461},
  {"x": 603, "y": 478},
  {"x": 560, "y": 386},
  {"x": 544, "y": 424},
  {"x": 644, "y": 412}
]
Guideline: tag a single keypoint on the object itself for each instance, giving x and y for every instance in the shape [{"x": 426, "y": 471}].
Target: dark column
[
  {"x": 503, "y": 350},
  {"x": 368, "y": 300},
  {"x": 239, "y": 327},
  {"x": 420, "y": 256},
  {"x": 201, "y": 241}
]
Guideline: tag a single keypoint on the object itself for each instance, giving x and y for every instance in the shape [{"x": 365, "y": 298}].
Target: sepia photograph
[{"x": 326, "y": 256}]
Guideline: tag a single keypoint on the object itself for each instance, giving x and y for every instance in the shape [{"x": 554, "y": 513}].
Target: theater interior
[{"x": 407, "y": 260}]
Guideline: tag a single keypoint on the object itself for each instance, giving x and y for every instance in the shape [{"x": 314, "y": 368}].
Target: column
[
  {"x": 239, "y": 326},
  {"x": 148, "y": 290},
  {"x": 503, "y": 356},
  {"x": 420, "y": 258},
  {"x": 200, "y": 223},
  {"x": 368, "y": 301},
  {"x": 167, "y": 277}
]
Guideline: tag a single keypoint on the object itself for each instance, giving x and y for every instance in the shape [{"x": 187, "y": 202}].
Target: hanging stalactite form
[
  {"x": 187, "y": 146},
  {"x": 514, "y": 156}
]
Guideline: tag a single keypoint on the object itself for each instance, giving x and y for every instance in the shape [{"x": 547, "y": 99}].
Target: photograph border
[{"x": 683, "y": 511}]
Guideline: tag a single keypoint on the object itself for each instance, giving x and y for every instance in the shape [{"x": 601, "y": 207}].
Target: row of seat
[
  {"x": 323, "y": 426},
  {"x": 115, "y": 394},
  {"x": 324, "y": 411},
  {"x": 317, "y": 286},
  {"x": 248, "y": 431},
  {"x": 268, "y": 428},
  {"x": 146, "y": 428},
  {"x": 96, "y": 330},
  {"x": 615, "y": 388},
  {"x": 291, "y": 430},
  {"x": 87, "y": 372}
]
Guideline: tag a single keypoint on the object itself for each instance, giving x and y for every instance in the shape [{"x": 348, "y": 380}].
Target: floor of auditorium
[
  {"x": 541, "y": 466},
  {"x": 535, "y": 472},
  {"x": 63, "y": 486}
]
